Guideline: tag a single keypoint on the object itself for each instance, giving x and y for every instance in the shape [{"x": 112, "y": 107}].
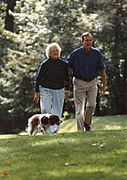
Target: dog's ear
[
  {"x": 44, "y": 120},
  {"x": 53, "y": 116},
  {"x": 54, "y": 119}
]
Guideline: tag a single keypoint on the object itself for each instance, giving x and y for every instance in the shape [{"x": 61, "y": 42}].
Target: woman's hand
[
  {"x": 67, "y": 94},
  {"x": 36, "y": 97}
]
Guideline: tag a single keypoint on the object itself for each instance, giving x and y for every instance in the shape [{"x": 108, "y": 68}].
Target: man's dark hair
[{"x": 86, "y": 34}]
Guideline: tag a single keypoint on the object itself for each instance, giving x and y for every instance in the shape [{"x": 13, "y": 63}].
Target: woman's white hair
[{"x": 49, "y": 47}]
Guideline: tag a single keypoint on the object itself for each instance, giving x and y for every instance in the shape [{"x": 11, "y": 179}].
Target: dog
[{"x": 41, "y": 122}]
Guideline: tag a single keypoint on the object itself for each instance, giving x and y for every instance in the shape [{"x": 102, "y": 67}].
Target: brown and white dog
[{"x": 41, "y": 122}]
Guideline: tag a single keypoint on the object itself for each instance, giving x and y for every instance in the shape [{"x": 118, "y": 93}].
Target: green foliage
[
  {"x": 2, "y": 14},
  {"x": 67, "y": 23},
  {"x": 38, "y": 23}
]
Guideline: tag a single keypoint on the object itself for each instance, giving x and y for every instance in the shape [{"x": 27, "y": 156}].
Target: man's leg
[
  {"x": 91, "y": 103},
  {"x": 79, "y": 100}
]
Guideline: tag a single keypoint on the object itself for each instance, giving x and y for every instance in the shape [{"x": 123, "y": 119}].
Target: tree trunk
[{"x": 9, "y": 20}]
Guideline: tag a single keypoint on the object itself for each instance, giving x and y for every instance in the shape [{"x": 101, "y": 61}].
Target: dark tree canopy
[{"x": 30, "y": 25}]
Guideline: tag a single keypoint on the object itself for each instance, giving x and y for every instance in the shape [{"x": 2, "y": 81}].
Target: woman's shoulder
[{"x": 44, "y": 62}]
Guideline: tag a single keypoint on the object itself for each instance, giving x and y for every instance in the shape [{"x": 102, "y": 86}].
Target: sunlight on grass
[
  {"x": 3, "y": 149},
  {"x": 75, "y": 171},
  {"x": 54, "y": 141},
  {"x": 40, "y": 143},
  {"x": 8, "y": 136},
  {"x": 99, "y": 123},
  {"x": 113, "y": 127},
  {"x": 95, "y": 169},
  {"x": 68, "y": 126},
  {"x": 55, "y": 174},
  {"x": 122, "y": 151},
  {"x": 95, "y": 155}
]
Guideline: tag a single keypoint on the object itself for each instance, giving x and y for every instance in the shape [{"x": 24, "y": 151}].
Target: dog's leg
[
  {"x": 30, "y": 130},
  {"x": 35, "y": 132},
  {"x": 41, "y": 129}
]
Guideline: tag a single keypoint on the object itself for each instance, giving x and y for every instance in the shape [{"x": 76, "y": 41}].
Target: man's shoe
[{"x": 87, "y": 127}]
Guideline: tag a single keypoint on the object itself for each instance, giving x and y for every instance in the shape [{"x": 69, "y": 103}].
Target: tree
[
  {"x": 110, "y": 38},
  {"x": 37, "y": 23},
  {"x": 34, "y": 29},
  {"x": 9, "y": 19}
]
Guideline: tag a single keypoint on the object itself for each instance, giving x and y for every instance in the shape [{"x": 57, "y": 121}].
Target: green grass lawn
[
  {"x": 99, "y": 154},
  {"x": 118, "y": 122}
]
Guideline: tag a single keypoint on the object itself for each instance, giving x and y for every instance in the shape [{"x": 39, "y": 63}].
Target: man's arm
[{"x": 103, "y": 76}]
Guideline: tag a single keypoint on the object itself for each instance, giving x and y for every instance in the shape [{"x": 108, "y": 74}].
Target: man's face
[
  {"x": 54, "y": 52},
  {"x": 87, "y": 42}
]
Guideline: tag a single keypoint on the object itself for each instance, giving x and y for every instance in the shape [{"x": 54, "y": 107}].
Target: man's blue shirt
[{"x": 86, "y": 65}]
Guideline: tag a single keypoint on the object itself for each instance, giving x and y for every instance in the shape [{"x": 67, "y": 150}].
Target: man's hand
[
  {"x": 36, "y": 97},
  {"x": 103, "y": 90}
]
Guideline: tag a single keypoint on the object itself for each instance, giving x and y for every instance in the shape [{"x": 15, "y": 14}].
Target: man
[
  {"x": 86, "y": 63},
  {"x": 50, "y": 82}
]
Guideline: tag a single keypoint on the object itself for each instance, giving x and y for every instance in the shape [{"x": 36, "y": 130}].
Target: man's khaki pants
[{"x": 85, "y": 94}]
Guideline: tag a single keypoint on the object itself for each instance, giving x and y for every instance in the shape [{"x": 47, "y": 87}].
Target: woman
[{"x": 51, "y": 82}]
